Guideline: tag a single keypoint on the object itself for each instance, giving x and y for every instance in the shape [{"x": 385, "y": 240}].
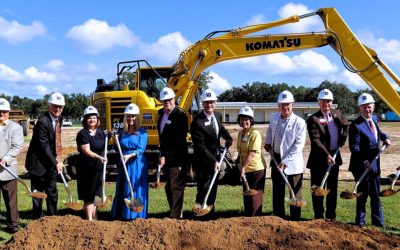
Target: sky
[{"x": 49, "y": 45}]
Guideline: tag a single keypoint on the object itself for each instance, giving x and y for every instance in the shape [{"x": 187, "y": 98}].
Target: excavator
[{"x": 219, "y": 46}]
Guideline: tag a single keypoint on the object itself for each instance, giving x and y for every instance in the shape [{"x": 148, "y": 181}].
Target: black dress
[{"x": 89, "y": 170}]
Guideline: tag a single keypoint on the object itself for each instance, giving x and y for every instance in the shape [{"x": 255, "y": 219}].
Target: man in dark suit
[
  {"x": 364, "y": 138},
  {"x": 172, "y": 128},
  {"x": 328, "y": 129},
  {"x": 41, "y": 159},
  {"x": 206, "y": 131}
]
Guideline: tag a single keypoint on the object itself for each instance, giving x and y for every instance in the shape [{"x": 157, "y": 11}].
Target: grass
[{"x": 229, "y": 204}]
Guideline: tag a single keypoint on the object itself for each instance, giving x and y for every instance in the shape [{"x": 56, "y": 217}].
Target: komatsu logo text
[{"x": 275, "y": 44}]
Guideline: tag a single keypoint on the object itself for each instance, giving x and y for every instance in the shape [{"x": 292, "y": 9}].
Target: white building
[{"x": 262, "y": 111}]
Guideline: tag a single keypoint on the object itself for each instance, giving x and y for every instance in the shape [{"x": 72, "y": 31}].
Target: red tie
[
  {"x": 372, "y": 128},
  {"x": 58, "y": 138}
]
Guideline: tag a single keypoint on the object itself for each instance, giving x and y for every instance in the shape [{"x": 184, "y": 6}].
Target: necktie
[
  {"x": 58, "y": 138},
  {"x": 213, "y": 124},
  {"x": 372, "y": 128}
]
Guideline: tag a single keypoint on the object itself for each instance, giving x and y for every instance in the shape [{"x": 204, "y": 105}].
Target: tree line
[
  {"x": 255, "y": 92},
  {"x": 264, "y": 92}
]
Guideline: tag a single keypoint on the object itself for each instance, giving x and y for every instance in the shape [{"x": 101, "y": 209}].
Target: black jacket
[
  {"x": 173, "y": 145},
  {"x": 206, "y": 143},
  {"x": 320, "y": 138},
  {"x": 41, "y": 156}
]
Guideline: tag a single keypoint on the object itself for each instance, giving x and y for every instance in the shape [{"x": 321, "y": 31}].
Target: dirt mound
[{"x": 71, "y": 232}]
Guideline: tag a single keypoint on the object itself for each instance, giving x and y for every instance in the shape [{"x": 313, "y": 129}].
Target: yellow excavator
[{"x": 218, "y": 46}]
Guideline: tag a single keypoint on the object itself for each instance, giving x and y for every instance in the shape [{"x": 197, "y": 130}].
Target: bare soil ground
[{"x": 71, "y": 232}]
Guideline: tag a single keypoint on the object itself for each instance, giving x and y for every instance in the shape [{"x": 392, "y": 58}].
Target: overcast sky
[{"x": 65, "y": 46}]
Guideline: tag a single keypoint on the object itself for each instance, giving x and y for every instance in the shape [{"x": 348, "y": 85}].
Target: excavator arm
[{"x": 238, "y": 43}]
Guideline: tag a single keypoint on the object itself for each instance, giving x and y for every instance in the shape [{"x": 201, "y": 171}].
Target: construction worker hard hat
[
  {"x": 90, "y": 110},
  {"x": 285, "y": 97},
  {"x": 208, "y": 95},
  {"x": 4, "y": 105},
  {"x": 325, "y": 94},
  {"x": 247, "y": 111},
  {"x": 365, "y": 98},
  {"x": 166, "y": 94},
  {"x": 56, "y": 99},
  {"x": 132, "y": 109}
]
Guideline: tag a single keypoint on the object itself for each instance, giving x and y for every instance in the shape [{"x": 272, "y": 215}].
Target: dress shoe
[{"x": 13, "y": 230}]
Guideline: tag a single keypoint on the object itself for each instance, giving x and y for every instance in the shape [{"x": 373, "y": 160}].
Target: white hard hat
[
  {"x": 4, "y": 105},
  {"x": 247, "y": 111},
  {"x": 90, "y": 110},
  {"x": 132, "y": 109},
  {"x": 57, "y": 99},
  {"x": 208, "y": 95},
  {"x": 365, "y": 98},
  {"x": 285, "y": 97},
  {"x": 325, "y": 94},
  {"x": 166, "y": 94}
]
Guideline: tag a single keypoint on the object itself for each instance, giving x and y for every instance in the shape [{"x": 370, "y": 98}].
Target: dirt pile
[{"x": 71, "y": 232}]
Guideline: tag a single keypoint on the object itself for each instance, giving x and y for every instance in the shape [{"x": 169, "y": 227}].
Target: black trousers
[
  {"x": 9, "y": 192},
  {"x": 48, "y": 184},
  {"x": 317, "y": 174},
  {"x": 278, "y": 191},
  {"x": 175, "y": 188},
  {"x": 253, "y": 204}
]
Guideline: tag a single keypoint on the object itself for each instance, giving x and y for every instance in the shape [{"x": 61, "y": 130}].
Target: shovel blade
[
  {"x": 319, "y": 191},
  {"x": 134, "y": 205},
  {"x": 348, "y": 195},
  {"x": 296, "y": 203},
  {"x": 198, "y": 210},
  {"x": 387, "y": 192},
  {"x": 36, "y": 194},
  {"x": 104, "y": 203},
  {"x": 157, "y": 185},
  {"x": 76, "y": 205},
  {"x": 250, "y": 192}
]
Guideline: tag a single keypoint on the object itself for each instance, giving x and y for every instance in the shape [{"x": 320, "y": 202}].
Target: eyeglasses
[{"x": 167, "y": 101}]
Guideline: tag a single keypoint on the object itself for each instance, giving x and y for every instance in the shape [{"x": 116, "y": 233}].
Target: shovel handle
[
  {"x": 158, "y": 173},
  {"x": 246, "y": 184},
  {"x": 66, "y": 186},
  {"x": 395, "y": 178},
  {"x": 367, "y": 170},
  {"x": 103, "y": 188},
  {"x": 124, "y": 165},
  {"x": 329, "y": 168},
  {"x": 18, "y": 178},
  {"x": 213, "y": 180},
  {"x": 283, "y": 176}
]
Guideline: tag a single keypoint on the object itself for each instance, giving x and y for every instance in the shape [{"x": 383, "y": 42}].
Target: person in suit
[
  {"x": 286, "y": 136},
  {"x": 328, "y": 129},
  {"x": 11, "y": 143},
  {"x": 364, "y": 138},
  {"x": 172, "y": 128},
  {"x": 206, "y": 131},
  {"x": 41, "y": 159}
]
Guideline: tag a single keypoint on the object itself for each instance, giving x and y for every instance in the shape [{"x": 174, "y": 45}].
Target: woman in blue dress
[{"x": 133, "y": 141}]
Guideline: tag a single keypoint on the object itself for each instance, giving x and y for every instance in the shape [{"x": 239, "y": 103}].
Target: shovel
[
  {"x": 247, "y": 191},
  {"x": 103, "y": 201},
  {"x": 74, "y": 205},
  {"x": 352, "y": 195},
  {"x": 34, "y": 193},
  {"x": 201, "y": 210},
  {"x": 390, "y": 191},
  {"x": 321, "y": 191},
  {"x": 292, "y": 201},
  {"x": 158, "y": 184},
  {"x": 136, "y": 205}
]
